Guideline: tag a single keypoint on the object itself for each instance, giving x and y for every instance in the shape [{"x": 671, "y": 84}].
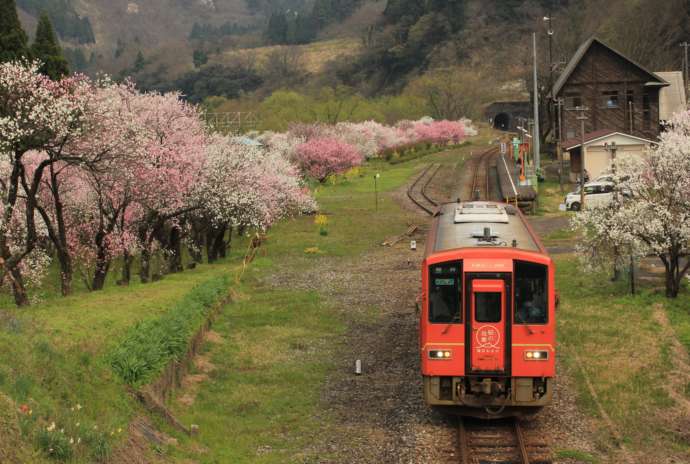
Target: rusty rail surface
[
  {"x": 499, "y": 442},
  {"x": 417, "y": 192}
]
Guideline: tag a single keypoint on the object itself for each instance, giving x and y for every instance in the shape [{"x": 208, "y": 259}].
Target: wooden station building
[{"x": 618, "y": 96}]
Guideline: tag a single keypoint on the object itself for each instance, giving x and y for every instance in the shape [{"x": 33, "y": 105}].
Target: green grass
[
  {"x": 576, "y": 455},
  {"x": 148, "y": 347},
  {"x": 52, "y": 356},
  {"x": 262, "y": 402},
  {"x": 613, "y": 339},
  {"x": 550, "y": 197},
  {"x": 259, "y": 404}
]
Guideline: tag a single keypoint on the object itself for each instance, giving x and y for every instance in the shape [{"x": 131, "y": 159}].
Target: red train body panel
[{"x": 487, "y": 328}]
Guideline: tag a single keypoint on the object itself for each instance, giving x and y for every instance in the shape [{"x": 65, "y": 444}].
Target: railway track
[
  {"x": 481, "y": 189},
  {"x": 417, "y": 191},
  {"x": 498, "y": 442}
]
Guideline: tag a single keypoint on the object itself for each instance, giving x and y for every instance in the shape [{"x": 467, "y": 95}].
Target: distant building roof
[
  {"x": 671, "y": 98},
  {"x": 580, "y": 53},
  {"x": 243, "y": 140},
  {"x": 591, "y": 137}
]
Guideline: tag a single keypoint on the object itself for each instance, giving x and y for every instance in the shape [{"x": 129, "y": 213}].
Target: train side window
[
  {"x": 531, "y": 293},
  {"x": 444, "y": 293}
]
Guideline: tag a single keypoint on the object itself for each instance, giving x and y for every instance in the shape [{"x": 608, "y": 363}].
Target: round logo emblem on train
[{"x": 487, "y": 336}]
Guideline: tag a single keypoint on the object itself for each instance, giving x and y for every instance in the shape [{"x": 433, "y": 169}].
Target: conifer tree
[
  {"x": 47, "y": 49},
  {"x": 139, "y": 62},
  {"x": 13, "y": 41}
]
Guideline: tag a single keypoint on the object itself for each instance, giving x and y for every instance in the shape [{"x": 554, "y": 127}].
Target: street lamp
[{"x": 376, "y": 190}]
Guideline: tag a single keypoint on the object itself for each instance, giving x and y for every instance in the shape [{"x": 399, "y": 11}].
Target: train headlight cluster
[
  {"x": 536, "y": 355},
  {"x": 440, "y": 354}
]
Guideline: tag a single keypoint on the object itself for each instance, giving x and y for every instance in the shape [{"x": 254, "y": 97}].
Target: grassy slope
[
  {"x": 51, "y": 354},
  {"x": 313, "y": 56}
]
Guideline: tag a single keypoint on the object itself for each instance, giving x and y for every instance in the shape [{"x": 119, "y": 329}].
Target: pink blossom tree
[
  {"x": 174, "y": 155},
  {"x": 37, "y": 115},
  {"x": 321, "y": 157}
]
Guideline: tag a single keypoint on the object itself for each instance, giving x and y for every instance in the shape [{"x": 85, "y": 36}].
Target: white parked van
[{"x": 596, "y": 193}]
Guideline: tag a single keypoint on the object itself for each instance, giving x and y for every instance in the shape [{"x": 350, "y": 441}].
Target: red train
[{"x": 487, "y": 329}]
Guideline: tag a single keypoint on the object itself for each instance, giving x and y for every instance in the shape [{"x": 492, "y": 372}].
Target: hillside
[{"x": 258, "y": 46}]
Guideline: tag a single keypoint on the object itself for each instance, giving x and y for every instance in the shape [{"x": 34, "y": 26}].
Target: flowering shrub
[
  {"x": 440, "y": 132},
  {"x": 321, "y": 157}
]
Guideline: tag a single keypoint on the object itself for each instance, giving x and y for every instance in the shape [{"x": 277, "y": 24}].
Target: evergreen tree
[
  {"x": 277, "y": 28},
  {"x": 139, "y": 62},
  {"x": 47, "y": 49},
  {"x": 13, "y": 42},
  {"x": 200, "y": 58},
  {"x": 409, "y": 10}
]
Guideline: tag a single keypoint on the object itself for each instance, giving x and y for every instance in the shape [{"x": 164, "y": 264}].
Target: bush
[
  {"x": 150, "y": 345},
  {"x": 321, "y": 157}
]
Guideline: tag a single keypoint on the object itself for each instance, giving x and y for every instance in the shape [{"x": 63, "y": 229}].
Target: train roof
[{"x": 482, "y": 224}]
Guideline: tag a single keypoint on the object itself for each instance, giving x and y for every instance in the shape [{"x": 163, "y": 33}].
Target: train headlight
[
  {"x": 440, "y": 354},
  {"x": 536, "y": 355}
]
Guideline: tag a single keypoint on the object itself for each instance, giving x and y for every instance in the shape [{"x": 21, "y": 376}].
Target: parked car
[{"x": 596, "y": 194}]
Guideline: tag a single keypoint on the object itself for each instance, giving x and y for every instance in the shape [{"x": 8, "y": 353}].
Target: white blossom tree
[{"x": 655, "y": 220}]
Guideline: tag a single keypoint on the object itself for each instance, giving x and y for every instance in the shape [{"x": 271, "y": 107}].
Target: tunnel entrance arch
[
  {"x": 504, "y": 115},
  {"x": 502, "y": 121}
]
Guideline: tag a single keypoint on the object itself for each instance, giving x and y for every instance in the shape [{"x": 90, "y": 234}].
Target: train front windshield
[
  {"x": 444, "y": 293},
  {"x": 531, "y": 296}
]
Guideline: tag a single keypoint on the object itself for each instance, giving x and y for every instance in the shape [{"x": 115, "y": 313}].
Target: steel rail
[
  {"x": 521, "y": 442},
  {"x": 480, "y": 160},
  {"x": 411, "y": 190},
  {"x": 514, "y": 439},
  {"x": 426, "y": 184}
]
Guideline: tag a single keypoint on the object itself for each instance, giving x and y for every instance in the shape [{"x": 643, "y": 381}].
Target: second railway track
[
  {"x": 481, "y": 166},
  {"x": 417, "y": 192}
]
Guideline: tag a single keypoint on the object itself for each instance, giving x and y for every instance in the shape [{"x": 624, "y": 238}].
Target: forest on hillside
[{"x": 452, "y": 55}]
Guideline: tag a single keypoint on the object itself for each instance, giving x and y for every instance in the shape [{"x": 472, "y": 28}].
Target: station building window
[
  {"x": 646, "y": 111},
  {"x": 531, "y": 295},
  {"x": 610, "y": 99},
  {"x": 573, "y": 100},
  {"x": 445, "y": 293}
]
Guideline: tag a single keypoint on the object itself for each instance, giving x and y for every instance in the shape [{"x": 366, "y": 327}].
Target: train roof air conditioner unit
[{"x": 480, "y": 212}]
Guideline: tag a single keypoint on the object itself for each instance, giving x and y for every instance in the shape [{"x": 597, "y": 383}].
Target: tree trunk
[
  {"x": 145, "y": 265},
  {"x": 126, "y": 268},
  {"x": 197, "y": 242},
  {"x": 102, "y": 263},
  {"x": 21, "y": 297},
  {"x": 65, "y": 271},
  {"x": 219, "y": 244},
  {"x": 211, "y": 255},
  {"x": 672, "y": 275},
  {"x": 175, "y": 251}
]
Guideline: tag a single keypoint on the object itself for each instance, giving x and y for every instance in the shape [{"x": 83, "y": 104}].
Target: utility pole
[
  {"x": 611, "y": 148},
  {"x": 535, "y": 135},
  {"x": 549, "y": 32},
  {"x": 582, "y": 117},
  {"x": 559, "y": 149},
  {"x": 685, "y": 45}
]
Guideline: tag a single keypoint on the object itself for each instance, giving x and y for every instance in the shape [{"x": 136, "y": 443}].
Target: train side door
[{"x": 488, "y": 326}]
